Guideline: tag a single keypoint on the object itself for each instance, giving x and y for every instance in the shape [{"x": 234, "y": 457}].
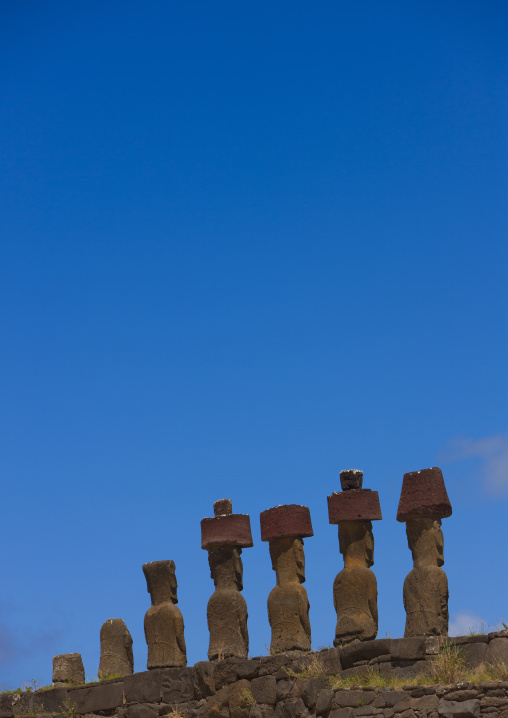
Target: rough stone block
[
  {"x": 462, "y": 695},
  {"x": 144, "y": 710},
  {"x": 269, "y": 665},
  {"x": 68, "y": 668},
  {"x": 286, "y": 520},
  {"x": 50, "y": 701},
  {"x": 354, "y": 505},
  {"x": 407, "y": 649},
  {"x": 498, "y": 651},
  {"x": 456, "y": 709},
  {"x": 462, "y": 640},
  {"x": 343, "y": 699},
  {"x": 364, "y": 651},
  {"x": 388, "y": 699},
  {"x": 474, "y": 653},
  {"x": 423, "y": 495},
  {"x": 330, "y": 660},
  {"x": 342, "y": 713},
  {"x": 351, "y": 479},
  {"x": 425, "y": 703},
  {"x": 6, "y": 710},
  {"x": 225, "y": 672},
  {"x": 226, "y": 530},
  {"x": 283, "y": 689},
  {"x": 93, "y": 699},
  {"x": 247, "y": 667},
  {"x": 264, "y": 690},
  {"x": 324, "y": 701},
  {"x": 177, "y": 685},
  {"x": 144, "y": 687},
  {"x": 309, "y": 690},
  {"x": 204, "y": 681}
]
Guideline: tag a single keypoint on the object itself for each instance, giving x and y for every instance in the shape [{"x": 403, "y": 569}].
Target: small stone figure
[
  {"x": 68, "y": 668},
  {"x": 224, "y": 536},
  {"x": 163, "y": 620},
  {"x": 285, "y": 527},
  {"x": 423, "y": 503},
  {"x": 355, "y": 587},
  {"x": 116, "y": 649}
]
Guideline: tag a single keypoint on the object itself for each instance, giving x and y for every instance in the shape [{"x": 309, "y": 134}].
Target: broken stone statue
[
  {"x": 223, "y": 536},
  {"x": 285, "y": 527},
  {"x": 116, "y": 649},
  {"x": 423, "y": 503},
  {"x": 163, "y": 620},
  {"x": 355, "y": 587},
  {"x": 68, "y": 668}
]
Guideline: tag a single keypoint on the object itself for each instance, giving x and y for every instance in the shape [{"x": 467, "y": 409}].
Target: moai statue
[
  {"x": 285, "y": 527},
  {"x": 355, "y": 587},
  {"x": 68, "y": 668},
  {"x": 224, "y": 536},
  {"x": 423, "y": 503},
  {"x": 163, "y": 620},
  {"x": 116, "y": 649}
]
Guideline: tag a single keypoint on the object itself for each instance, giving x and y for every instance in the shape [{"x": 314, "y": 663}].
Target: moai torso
[
  {"x": 355, "y": 587},
  {"x": 426, "y": 586},
  {"x": 288, "y": 604},
  {"x": 164, "y": 628},
  {"x": 116, "y": 649},
  {"x": 227, "y": 608}
]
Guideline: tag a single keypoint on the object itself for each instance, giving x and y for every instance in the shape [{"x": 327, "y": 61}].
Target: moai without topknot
[
  {"x": 285, "y": 527},
  {"x": 224, "y": 536},
  {"x": 423, "y": 503},
  {"x": 355, "y": 587},
  {"x": 116, "y": 649},
  {"x": 68, "y": 668},
  {"x": 163, "y": 620}
]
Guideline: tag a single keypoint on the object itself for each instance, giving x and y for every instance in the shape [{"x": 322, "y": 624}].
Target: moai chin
[
  {"x": 423, "y": 503},
  {"x": 163, "y": 620},
  {"x": 285, "y": 527},
  {"x": 224, "y": 536},
  {"x": 355, "y": 587},
  {"x": 116, "y": 649}
]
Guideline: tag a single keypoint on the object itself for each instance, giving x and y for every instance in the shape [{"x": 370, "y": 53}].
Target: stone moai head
[
  {"x": 161, "y": 581},
  {"x": 285, "y": 527},
  {"x": 354, "y": 509},
  {"x": 223, "y": 536},
  {"x": 425, "y": 541}
]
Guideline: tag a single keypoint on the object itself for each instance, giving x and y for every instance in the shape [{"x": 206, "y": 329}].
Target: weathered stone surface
[
  {"x": 355, "y": 587},
  {"x": 227, "y": 608},
  {"x": 164, "y": 628},
  {"x": 342, "y": 698},
  {"x": 264, "y": 690},
  {"x": 142, "y": 710},
  {"x": 423, "y": 495},
  {"x": 425, "y": 703},
  {"x": 354, "y": 505},
  {"x": 288, "y": 604},
  {"x": 49, "y": 701},
  {"x": 6, "y": 708},
  {"x": 283, "y": 689},
  {"x": 226, "y": 530},
  {"x": 462, "y": 709},
  {"x": 204, "y": 681},
  {"x": 351, "y": 479},
  {"x": 498, "y": 651},
  {"x": 330, "y": 660},
  {"x": 177, "y": 685},
  {"x": 143, "y": 687},
  {"x": 474, "y": 654},
  {"x": 324, "y": 701},
  {"x": 97, "y": 697},
  {"x": 461, "y": 695},
  {"x": 342, "y": 713},
  {"x": 310, "y": 688},
  {"x": 269, "y": 665},
  {"x": 407, "y": 649},
  {"x": 364, "y": 651},
  {"x": 68, "y": 668},
  {"x": 463, "y": 640},
  {"x": 426, "y": 586},
  {"x": 289, "y": 520},
  {"x": 233, "y": 701},
  {"x": 116, "y": 649}
]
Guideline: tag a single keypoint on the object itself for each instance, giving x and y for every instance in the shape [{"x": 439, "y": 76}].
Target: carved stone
[
  {"x": 423, "y": 503},
  {"x": 116, "y": 649},
  {"x": 68, "y": 668},
  {"x": 426, "y": 586},
  {"x": 355, "y": 587},
  {"x": 223, "y": 536},
  {"x": 288, "y": 605},
  {"x": 164, "y": 629}
]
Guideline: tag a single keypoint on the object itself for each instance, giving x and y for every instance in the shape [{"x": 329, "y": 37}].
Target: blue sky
[{"x": 244, "y": 246}]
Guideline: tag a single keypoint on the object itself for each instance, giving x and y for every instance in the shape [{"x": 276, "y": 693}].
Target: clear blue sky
[{"x": 244, "y": 246}]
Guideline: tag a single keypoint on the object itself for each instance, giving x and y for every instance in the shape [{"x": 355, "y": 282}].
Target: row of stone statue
[{"x": 423, "y": 503}]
